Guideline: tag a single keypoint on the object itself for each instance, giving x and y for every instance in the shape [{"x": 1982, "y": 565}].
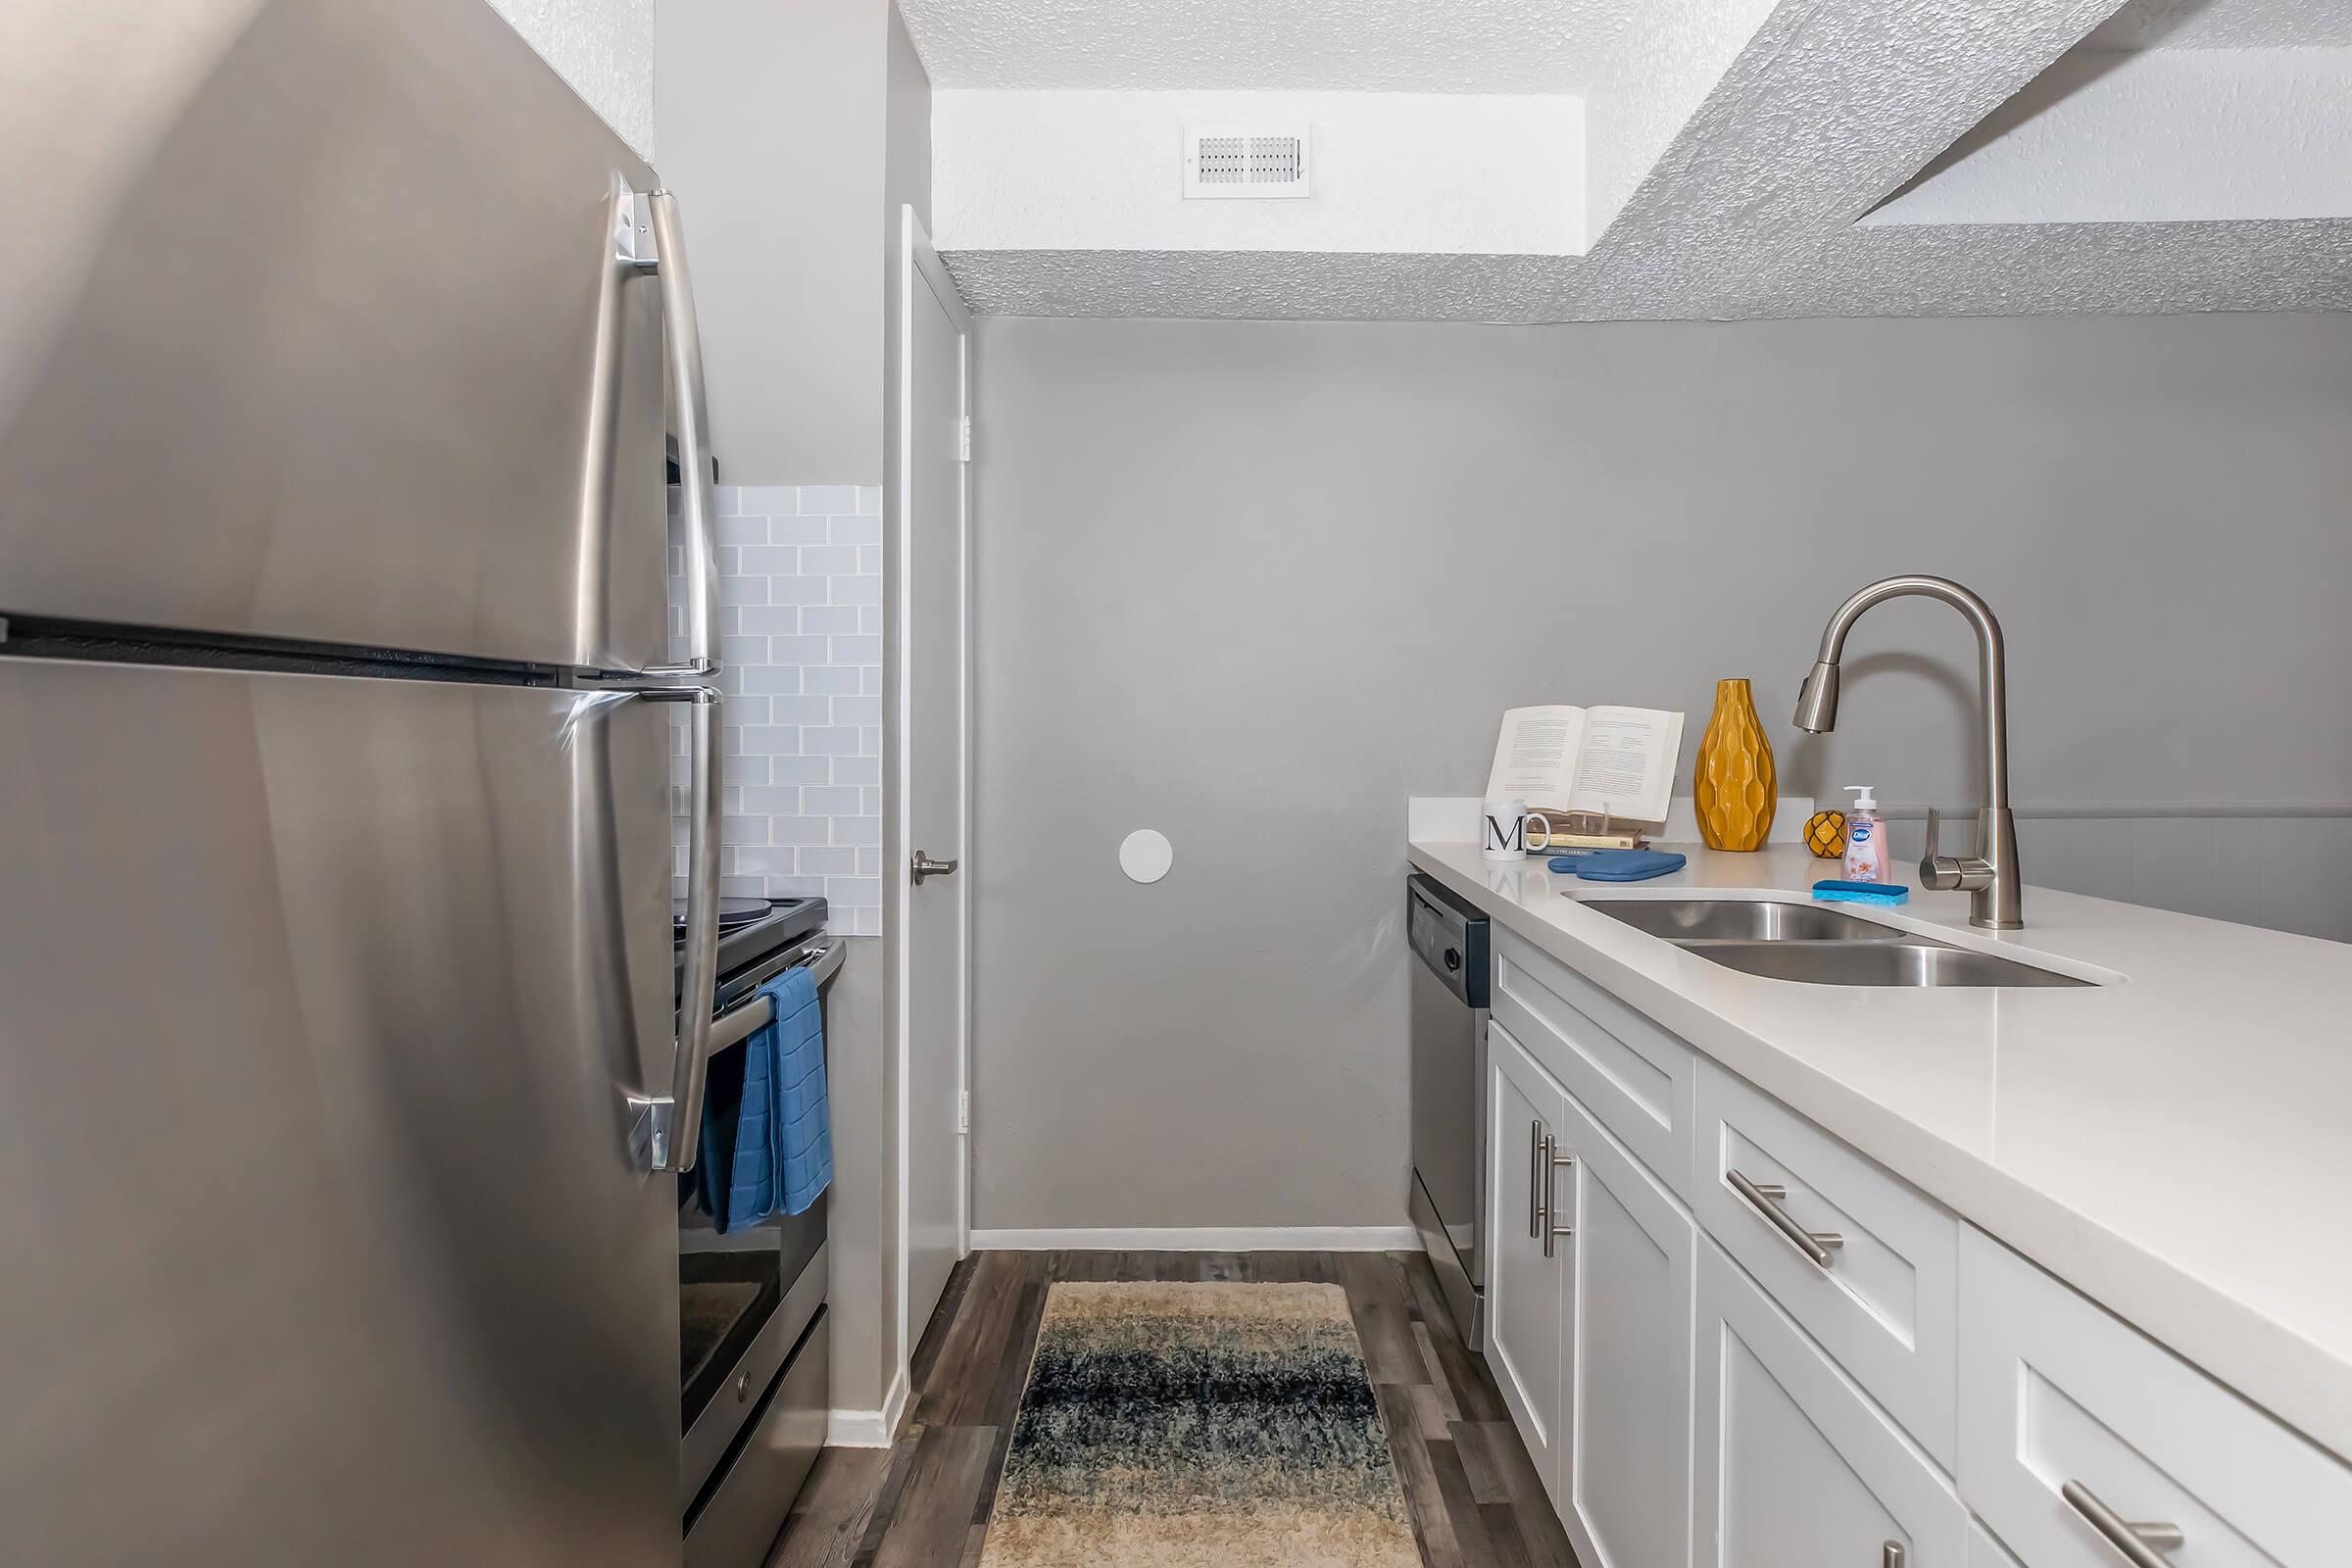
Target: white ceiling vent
[{"x": 1245, "y": 161}]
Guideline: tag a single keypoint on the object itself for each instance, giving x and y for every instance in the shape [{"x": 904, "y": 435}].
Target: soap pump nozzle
[{"x": 1864, "y": 800}]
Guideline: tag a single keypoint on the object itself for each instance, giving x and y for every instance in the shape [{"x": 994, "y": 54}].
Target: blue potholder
[{"x": 1620, "y": 866}]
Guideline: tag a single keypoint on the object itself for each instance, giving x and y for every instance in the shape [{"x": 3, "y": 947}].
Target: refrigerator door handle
[
  {"x": 667, "y": 1130},
  {"x": 684, "y": 341}
]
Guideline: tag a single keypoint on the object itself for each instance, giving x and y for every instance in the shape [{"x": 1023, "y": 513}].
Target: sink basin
[
  {"x": 1874, "y": 963},
  {"x": 1740, "y": 919}
]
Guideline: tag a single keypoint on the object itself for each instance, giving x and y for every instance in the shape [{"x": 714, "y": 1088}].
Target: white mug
[{"x": 1502, "y": 835}]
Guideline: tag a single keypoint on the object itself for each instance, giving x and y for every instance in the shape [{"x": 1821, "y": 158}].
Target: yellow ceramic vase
[{"x": 1733, "y": 788}]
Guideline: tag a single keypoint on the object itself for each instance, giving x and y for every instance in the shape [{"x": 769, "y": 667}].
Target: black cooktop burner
[
  {"x": 748, "y": 931},
  {"x": 733, "y": 913}
]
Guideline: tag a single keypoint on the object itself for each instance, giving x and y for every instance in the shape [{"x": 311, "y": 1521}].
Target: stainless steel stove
[{"x": 755, "y": 1384}]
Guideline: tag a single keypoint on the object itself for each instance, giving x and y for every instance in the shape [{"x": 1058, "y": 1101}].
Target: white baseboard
[
  {"x": 870, "y": 1429},
  {"x": 1205, "y": 1239}
]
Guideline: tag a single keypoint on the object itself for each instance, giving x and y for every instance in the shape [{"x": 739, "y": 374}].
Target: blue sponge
[{"x": 1834, "y": 891}]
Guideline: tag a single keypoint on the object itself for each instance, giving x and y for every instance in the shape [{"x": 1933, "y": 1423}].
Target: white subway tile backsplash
[
  {"x": 800, "y": 590},
  {"x": 733, "y": 531},
  {"x": 757, "y": 860},
  {"x": 828, "y": 500},
  {"x": 764, "y": 500},
  {"x": 810, "y": 770},
  {"x": 772, "y": 800},
  {"x": 798, "y": 530},
  {"x": 766, "y": 621},
  {"x": 802, "y": 651},
  {"x": 803, "y": 710},
  {"x": 800, "y": 648}
]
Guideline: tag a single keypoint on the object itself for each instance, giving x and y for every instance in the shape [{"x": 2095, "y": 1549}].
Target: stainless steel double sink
[{"x": 1821, "y": 946}]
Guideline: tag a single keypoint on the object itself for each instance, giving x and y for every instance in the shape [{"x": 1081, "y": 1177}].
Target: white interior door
[{"x": 935, "y": 794}]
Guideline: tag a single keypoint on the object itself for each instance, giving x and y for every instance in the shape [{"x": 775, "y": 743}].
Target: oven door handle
[{"x": 740, "y": 1023}]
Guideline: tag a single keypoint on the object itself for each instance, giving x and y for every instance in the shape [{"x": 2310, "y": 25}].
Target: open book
[{"x": 1620, "y": 761}]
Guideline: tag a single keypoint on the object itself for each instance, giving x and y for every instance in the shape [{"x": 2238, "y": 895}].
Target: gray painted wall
[
  {"x": 791, "y": 133},
  {"x": 1254, "y": 584}
]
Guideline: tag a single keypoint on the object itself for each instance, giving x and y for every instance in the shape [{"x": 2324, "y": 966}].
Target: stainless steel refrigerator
[{"x": 337, "y": 1049}]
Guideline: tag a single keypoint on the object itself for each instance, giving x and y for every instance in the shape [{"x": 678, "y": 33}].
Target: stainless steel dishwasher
[{"x": 1450, "y": 975}]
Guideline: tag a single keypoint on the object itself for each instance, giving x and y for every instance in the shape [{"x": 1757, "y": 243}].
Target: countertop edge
[{"x": 2294, "y": 1380}]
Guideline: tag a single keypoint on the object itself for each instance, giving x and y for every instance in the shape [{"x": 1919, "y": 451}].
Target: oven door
[{"x": 744, "y": 1300}]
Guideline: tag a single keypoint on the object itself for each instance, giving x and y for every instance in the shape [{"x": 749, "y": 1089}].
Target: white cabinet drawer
[
  {"x": 1796, "y": 1468},
  {"x": 1882, "y": 1302},
  {"x": 1639, "y": 1081},
  {"x": 2054, "y": 1390}
]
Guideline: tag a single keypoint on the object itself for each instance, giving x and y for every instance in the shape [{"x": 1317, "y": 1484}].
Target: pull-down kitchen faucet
[{"x": 1989, "y": 874}]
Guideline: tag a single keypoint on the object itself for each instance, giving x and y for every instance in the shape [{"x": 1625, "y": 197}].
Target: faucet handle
[{"x": 1939, "y": 871}]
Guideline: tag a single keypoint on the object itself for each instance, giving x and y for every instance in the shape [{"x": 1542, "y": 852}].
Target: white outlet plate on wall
[{"x": 1146, "y": 854}]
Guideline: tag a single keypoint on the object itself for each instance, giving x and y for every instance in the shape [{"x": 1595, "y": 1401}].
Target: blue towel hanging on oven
[{"x": 767, "y": 1136}]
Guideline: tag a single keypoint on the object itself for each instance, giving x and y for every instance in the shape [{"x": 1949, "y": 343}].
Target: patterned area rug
[{"x": 1184, "y": 1425}]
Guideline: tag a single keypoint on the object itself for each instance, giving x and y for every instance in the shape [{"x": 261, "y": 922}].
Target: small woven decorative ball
[{"x": 1825, "y": 834}]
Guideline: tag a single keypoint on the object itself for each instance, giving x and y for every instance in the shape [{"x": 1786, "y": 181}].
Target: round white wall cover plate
[{"x": 1146, "y": 854}]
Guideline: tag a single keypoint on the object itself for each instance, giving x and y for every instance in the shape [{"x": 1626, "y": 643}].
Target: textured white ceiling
[
  {"x": 604, "y": 48},
  {"x": 1974, "y": 270},
  {"x": 1751, "y": 210},
  {"x": 1517, "y": 46},
  {"x": 2227, "y": 24}
]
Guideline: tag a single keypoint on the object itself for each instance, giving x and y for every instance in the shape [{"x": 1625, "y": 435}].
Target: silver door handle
[
  {"x": 1765, "y": 1198},
  {"x": 1554, "y": 1159},
  {"x": 1535, "y": 1178},
  {"x": 672, "y": 1126},
  {"x": 683, "y": 339},
  {"x": 1892, "y": 1555},
  {"x": 2140, "y": 1543},
  {"x": 923, "y": 866}
]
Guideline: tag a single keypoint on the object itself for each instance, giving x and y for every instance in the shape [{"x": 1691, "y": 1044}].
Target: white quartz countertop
[{"x": 2175, "y": 1144}]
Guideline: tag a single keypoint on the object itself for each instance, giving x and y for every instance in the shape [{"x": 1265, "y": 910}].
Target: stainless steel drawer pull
[
  {"x": 1765, "y": 1199},
  {"x": 1535, "y": 1178},
  {"x": 2140, "y": 1544},
  {"x": 1892, "y": 1555},
  {"x": 1554, "y": 1159}
]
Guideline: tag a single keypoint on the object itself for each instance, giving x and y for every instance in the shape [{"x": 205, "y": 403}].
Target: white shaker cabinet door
[
  {"x": 1796, "y": 1469},
  {"x": 1626, "y": 1469},
  {"x": 1984, "y": 1551},
  {"x": 1525, "y": 1289},
  {"x": 2082, "y": 1443}
]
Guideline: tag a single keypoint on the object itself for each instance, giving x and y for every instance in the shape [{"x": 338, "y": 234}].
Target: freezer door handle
[
  {"x": 685, "y": 347},
  {"x": 667, "y": 1131}
]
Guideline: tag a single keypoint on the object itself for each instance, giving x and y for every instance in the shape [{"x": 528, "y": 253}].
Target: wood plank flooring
[{"x": 923, "y": 1503}]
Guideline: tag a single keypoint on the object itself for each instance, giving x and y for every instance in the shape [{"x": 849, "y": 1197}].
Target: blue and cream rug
[{"x": 1184, "y": 1425}]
